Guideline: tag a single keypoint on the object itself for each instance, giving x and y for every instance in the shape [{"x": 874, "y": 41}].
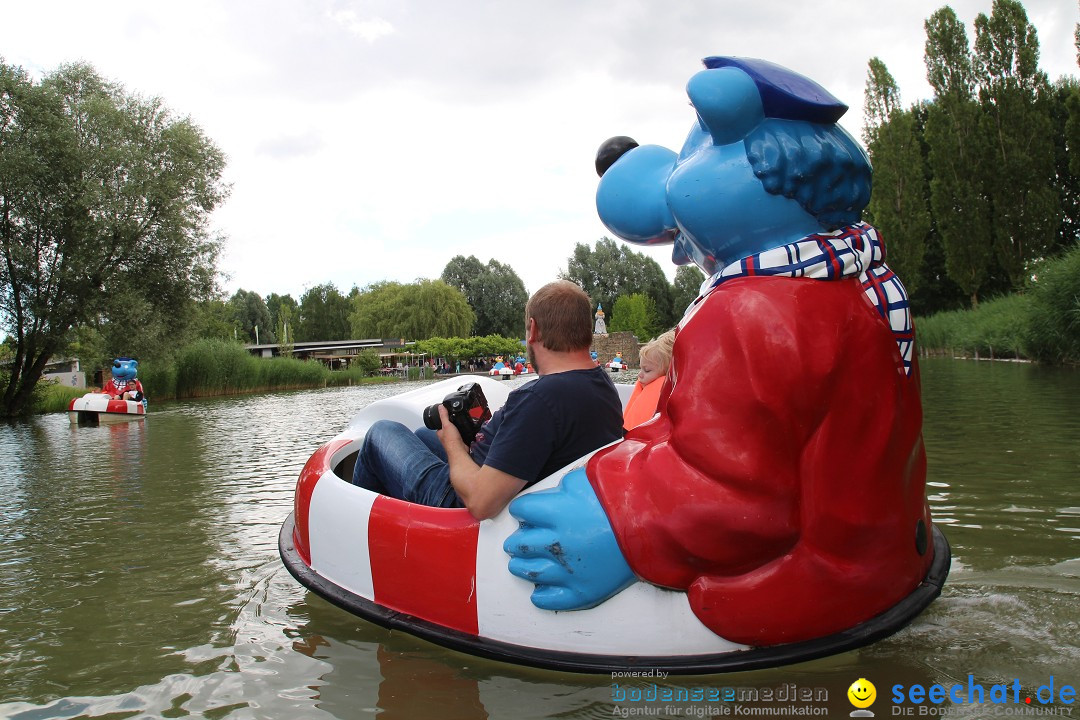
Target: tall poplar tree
[
  {"x": 1019, "y": 169},
  {"x": 898, "y": 204},
  {"x": 955, "y": 155},
  {"x": 1065, "y": 114}
]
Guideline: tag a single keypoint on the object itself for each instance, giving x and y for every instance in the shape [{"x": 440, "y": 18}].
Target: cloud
[
  {"x": 293, "y": 145},
  {"x": 370, "y": 29},
  {"x": 376, "y": 139}
]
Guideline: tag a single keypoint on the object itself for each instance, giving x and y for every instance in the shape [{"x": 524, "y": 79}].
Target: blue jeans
[{"x": 397, "y": 462}]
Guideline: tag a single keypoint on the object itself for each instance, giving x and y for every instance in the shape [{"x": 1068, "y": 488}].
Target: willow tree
[
  {"x": 955, "y": 155},
  {"x": 898, "y": 203},
  {"x": 103, "y": 194},
  {"x": 416, "y": 311},
  {"x": 1019, "y": 171}
]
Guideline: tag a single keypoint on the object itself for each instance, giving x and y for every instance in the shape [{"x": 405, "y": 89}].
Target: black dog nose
[{"x": 611, "y": 151}]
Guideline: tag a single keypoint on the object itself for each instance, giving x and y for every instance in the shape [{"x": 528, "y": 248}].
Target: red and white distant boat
[{"x": 94, "y": 408}]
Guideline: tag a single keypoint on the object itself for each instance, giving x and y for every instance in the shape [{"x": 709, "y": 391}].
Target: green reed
[{"x": 1041, "y": 324}]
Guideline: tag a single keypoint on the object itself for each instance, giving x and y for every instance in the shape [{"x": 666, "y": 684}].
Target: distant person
[
  {"x": 655, "y": 361},
  {"x": 569, "y": 411}
]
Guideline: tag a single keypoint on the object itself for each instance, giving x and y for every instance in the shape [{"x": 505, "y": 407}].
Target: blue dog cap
[{"x": 785, "y": 94}]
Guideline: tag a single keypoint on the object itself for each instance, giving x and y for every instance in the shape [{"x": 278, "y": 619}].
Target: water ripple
[{"x": 139, "y": 574}]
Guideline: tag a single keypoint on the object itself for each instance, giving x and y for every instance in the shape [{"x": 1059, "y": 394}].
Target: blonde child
[{"x": 655, "y": 361}]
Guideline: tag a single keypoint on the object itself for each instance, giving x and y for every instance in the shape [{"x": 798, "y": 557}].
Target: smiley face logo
[{"x": 862, "y": 693}]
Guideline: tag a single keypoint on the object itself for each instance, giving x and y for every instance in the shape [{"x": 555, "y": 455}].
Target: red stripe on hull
[
  {"x": 316, "y": 465},
  {"x": 120, "y": 407},
  {"x": 431, "y": 572}
]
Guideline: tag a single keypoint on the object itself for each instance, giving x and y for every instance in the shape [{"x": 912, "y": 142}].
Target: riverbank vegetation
[
  {"x": 211, "y": 367},
  {"x": 1041, "y": 324}
]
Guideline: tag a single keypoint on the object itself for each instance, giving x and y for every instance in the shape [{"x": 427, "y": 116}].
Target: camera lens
[{"x": 432, "y": 421}]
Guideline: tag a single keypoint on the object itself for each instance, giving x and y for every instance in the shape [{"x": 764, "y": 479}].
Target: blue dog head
[
  {"x": 764, "y": 165},
  {"x": 125, "y": 368}
]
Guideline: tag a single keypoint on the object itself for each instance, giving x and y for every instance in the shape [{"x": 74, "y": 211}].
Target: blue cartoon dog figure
[
  {"x": 782, "y": 484},
  {"x": 124, "y": 383}
]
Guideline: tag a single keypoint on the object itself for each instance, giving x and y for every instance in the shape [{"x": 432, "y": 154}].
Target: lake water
[{"x": 139, "y": 574}]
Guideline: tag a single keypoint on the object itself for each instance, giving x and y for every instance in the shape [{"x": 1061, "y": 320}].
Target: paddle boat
[
  {"x": 617, "y": 364},
  {"x": 94, "y": 408},
  {"x": 772, "y": 511},
  {"x": 441, "y": 575},
  {"x": 501, "y": 370}
]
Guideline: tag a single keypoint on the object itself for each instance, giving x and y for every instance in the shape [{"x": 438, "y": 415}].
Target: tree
[
  {"x": 323, "y": 315},
  {"x": 636, "y": 313},
  {"x": 687, "y": 287},
  {"x": 1019, "y": 170},
  {"x": 421, "y": 310},
  {"x": 898, "y": 205},
  {"x": 1065, "y": 112},
  {"x": 500, "y": 309},
  {"x": 211, "y": 320},
  {"x": 88, "y": 345},
  {"x": 463, "y": 273},
  {"x": 880, "y": 99},
  {"x": 454, "y": 349},
  {"x": 251, "y": 317},
  {"x": 955, "y": 158},
  {"x": 611, "y": 270},
  {"x": 494, "y": 291},
  {"x": 102, "y": 194},
  {"x": 283, "y": 310}
]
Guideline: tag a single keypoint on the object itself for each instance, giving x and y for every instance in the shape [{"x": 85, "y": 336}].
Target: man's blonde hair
[{"x": 563, "y": 316}]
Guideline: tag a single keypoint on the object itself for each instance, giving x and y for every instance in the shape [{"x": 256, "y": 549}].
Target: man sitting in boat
[{"x": 569, "y": 411}]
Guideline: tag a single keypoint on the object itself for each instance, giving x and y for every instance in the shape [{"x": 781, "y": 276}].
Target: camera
[{"x": 467, "y": 408}]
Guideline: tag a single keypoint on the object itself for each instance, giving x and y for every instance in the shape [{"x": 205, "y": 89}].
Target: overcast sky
[{"x": 374, "y": 141}]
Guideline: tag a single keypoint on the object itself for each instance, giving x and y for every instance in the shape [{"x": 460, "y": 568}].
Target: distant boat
[{"x": 94, "y": 408}]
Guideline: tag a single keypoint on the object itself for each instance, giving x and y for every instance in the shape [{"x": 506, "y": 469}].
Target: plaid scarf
[{"x": 852, "y": 251}]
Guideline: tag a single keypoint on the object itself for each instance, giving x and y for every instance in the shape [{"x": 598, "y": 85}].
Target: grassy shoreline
[
  {"x": 214, "y": 368},
  {"x": 1042, "y": 324}
]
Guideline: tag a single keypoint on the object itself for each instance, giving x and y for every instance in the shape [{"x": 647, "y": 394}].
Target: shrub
[
  {"x": 215, "y": 367},
  {"x": 1054, "y": 321},
  {"x": 50, "y": 396},
  {"x": 997, "y": 328},
  {"x": 158, "y": 378}
]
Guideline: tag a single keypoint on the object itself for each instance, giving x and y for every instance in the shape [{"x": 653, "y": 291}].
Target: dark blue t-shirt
[{"x": 550, "y": 422}]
